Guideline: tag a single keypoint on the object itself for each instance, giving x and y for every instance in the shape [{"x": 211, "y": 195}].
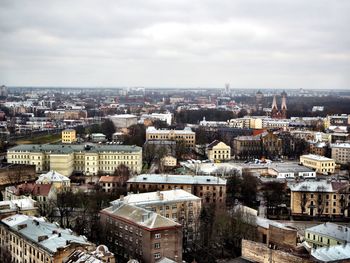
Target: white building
[{"x": 123, "y": 120}]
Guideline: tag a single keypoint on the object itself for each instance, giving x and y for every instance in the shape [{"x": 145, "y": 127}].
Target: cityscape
[{"x": 174, "y": 132}]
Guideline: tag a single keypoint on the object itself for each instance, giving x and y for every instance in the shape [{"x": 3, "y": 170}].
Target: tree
[
  {"x": 249, "y": 189},
  {"x": 95, "y": 128},
  {"x": 181, "y": 149},
  {"x": 124, "y": 174},
  {"x": 108, "y": 128},
  {"x": 149, "y": 153},
  {"x": 136, "y": 135}
]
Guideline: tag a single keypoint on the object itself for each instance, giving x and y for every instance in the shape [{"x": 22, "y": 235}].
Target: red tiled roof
[{"x": 109, "y": 179}]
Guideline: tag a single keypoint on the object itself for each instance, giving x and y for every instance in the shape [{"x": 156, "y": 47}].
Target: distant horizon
[{"x": 170, "y": 87}]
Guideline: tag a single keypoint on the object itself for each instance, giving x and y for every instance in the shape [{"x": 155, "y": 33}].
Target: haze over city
[{"x": 250, "y": 44}]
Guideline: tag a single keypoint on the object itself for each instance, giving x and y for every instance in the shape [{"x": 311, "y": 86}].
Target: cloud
[{"x": 249, "y": 43}]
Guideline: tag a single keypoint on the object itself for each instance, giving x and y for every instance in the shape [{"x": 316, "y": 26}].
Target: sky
[{"x": 176, "y": 43}]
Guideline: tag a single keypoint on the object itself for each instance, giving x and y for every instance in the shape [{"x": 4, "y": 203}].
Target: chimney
[
  {"x": 121, "y": 197},
  {"x": 161, "y": 196}
]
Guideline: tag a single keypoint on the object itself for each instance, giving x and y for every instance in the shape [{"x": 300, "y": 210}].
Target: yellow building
[
  {"x": 66, "y": 159},
  {"x": 320, "y": 199},
  {"x": 327, "y": 234},
  {"x": 186, "y": 135},
  {"x": 31, "y": 239},
  {"x": 218, "y": 151},
  {"x": 169, "y": 161},
  {"x": 69, "y": 136},
  {"x": 320, "y": 163}
]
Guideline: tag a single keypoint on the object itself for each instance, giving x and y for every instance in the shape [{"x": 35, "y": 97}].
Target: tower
[
  {"x": 274, "y": 108},
  {"x": 284, "y": 105}
]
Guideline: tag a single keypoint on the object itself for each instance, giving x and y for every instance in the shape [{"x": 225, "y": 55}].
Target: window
[
  {"x": 157, "y": 235},
  {"x": 157, "y": 255},
  {"x": 157, "y": 245}
]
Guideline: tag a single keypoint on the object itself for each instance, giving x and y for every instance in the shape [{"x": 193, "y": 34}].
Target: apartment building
[
  {"x": 327, "y": 234},
  {"x": 169, "y": 161},
  {"x": 178, "y": 205},
  {"x": 138, "y": 233},
  {"x": 86, "y": 159},
  {"x": 186, "y": 135},
  {"x": 25, "y": 205},
  {"x": 210, "y": 189},
  {"x": 247, "y": 147},
  {"x": 341, "y": 152},
  {"x": 32, "y": 239},
  {"x": 218, "y": 151},
  {"x": 69, "y": 136},
  {"x": 321, "y": 164},
  {"x": 320, "y": 199}
]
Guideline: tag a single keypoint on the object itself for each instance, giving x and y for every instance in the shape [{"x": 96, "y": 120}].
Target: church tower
[
  {"x": 284, "y": 105},
  {"x": 274, "y": 108}
]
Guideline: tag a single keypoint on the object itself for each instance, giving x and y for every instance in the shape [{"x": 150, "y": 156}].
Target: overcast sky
[{"x": 176, "y": 43}]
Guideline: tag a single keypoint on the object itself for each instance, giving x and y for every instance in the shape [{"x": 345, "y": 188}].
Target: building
[
  {"x": 338, "y": 253},
  {"x": 69, "y": 136},
  {"x": 290, "y": 171},
  {"x": 272, "y": 144},
  {"x": 138, "y": 233},
  {"x": 98, "y": 137},
  {"x": 275, "y": 112},
  {"x": 178, "y": 205},
  {"x": 218, "y": 151},
  {"x": 25, "y": 206},
  {"x": 247, "y": 147},
  {"x": 168, "y": 161},
  {"x": 86, "y": 159},
  {"x": 186, "y": 135},
  {"x": 58, "y": 180},
  {"x": 100, "y": 255},
  {"x": 32, "y": 239},
  {"x": 341, "y": 152},
  {"x": 166, "y": 117},
  {"x": 44, "y": 194},
  {"x": 320, "y": 164},
  {"x": 121, "y": 121},
  {"x": 320, "y": 199},
  {"x": 210, "y": 189},
  {"x": 327, "y": 234},
  {"x": 109, "y": 183},
  {"x": 337, "y": 120}
]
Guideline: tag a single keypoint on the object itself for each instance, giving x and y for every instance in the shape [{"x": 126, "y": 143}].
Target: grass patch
[{"x": 49, "y": 138}]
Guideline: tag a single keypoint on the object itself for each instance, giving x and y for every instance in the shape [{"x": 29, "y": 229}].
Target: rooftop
[
  {"x": 139, "y": 216},
  {"x": 177, "y": 179},
  {"x": 52, "y": 177},
  {"x": 316, "y": 157},
  {"x": 332, "y": 254},
  {"x": 317, "y": 186},
  {"x": 47, "y": 235},
  {"x": 338, "y": 232},
  {"x": 66, "y": 149},
  {"x": 176, "y": 195}
]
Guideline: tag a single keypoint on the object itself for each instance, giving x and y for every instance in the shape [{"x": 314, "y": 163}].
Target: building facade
[
  {"x": 218, "y": 151},
  {"x": 320, "y": 199},
  {"x": 134, "y": 232},
  {"x": 321, "y": 164},
  {"x": 66, "y": 159},
  {"x": 210, "y": 189},
  {"x": 31, "y": 239},
  {"x": 327, "y": 234},
  {"x": 178, "y": 205},
  {"x": 69, "y": 136},
  {"x": 186, "y": 135},
  {"x": 341, "y": 152}
]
